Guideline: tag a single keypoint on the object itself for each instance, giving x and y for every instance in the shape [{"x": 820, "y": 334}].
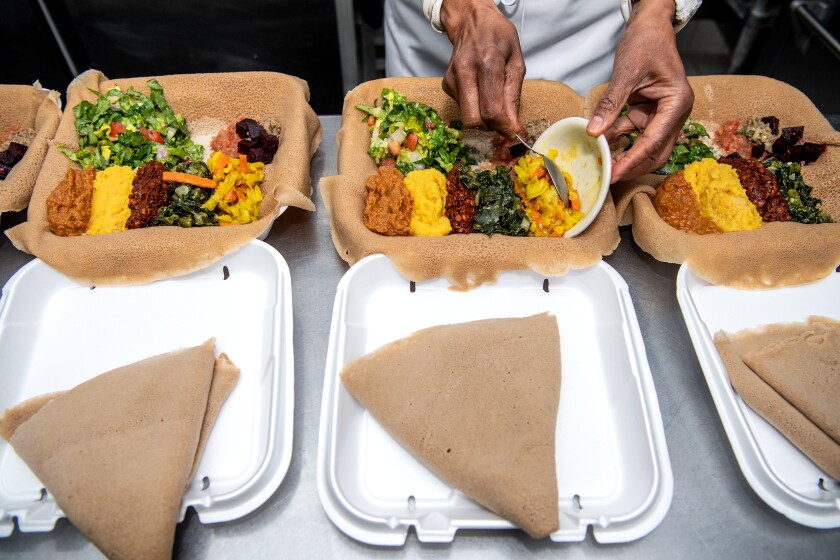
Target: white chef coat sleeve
[
  {"x": 432, "y": 10},
  {"x": 685, "y": 9}
]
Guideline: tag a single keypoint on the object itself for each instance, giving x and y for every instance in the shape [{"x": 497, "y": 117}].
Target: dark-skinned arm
[
  {"x": 486, "y": 69},
  {"x": 649, "y": 75}
]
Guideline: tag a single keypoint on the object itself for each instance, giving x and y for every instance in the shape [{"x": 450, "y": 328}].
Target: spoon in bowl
[{"x": 554, "y": 171}]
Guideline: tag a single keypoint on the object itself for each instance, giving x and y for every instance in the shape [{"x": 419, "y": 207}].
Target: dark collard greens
[
  {"x": 801, "y": 204},
  {"x": 185, "y": 201},
  {"x": 498, "y": 207}
]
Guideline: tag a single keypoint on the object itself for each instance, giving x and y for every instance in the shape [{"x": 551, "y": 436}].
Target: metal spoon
[{"x": 554, "y": 171}]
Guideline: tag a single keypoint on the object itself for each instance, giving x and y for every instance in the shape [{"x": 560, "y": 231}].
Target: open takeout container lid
[
  {"x": 613, "y": 469},
  {"x": 55, "y": 334},
  {"x": 779, "y": 473}
]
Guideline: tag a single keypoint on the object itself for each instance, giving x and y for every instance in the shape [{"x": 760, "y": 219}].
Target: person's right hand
[{"x": 486, "y": 69}]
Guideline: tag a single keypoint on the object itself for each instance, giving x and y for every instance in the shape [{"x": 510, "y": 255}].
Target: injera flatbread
[
  {"x": 778, "y": 253},
  {"x": 144, "y": 255},
  {"x": 31, "y": 107},
  {"x": 805, "y": 370},
  {"x": 116, "y": 452},
  {"x": 465, "y": 260},
  {"x": 477, "y": 404},
  {"x": 14, "y": 417},
  {"x": 766, "y": 402}
]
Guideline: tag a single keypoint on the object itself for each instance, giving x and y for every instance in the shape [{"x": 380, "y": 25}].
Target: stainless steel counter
[{"x": 714, "y": 513}]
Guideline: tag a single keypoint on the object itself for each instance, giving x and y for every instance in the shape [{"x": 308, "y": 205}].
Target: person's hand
[
  {"x": 649, "y": 75},
  {"x": 486, "y": 69}
]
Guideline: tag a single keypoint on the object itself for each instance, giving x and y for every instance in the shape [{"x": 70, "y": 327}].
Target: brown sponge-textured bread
[
  {"x": 30, "y": 107},
  {"x": 478, "y": 406},
  {"x": 117, "y": 451},
  {"x": 465, "y": 260},
  {"x": 805, "y": 370},
  {"x": 765, "y": 399},
  {"x": 777, "y": 254},
  {"x": 144, "y": 255},
  {"x": 14, "y": 417}
]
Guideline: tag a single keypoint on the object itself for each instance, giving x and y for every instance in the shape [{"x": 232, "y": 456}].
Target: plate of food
[
  {"x": 527, "y": 403},
  {"x": 770, "y": 360},
  {"x": 58, "y": 339},
  {"x": 144, "y": 171},
  {"x": 467, "y": 204},
  {"x": 29, "y": 117},
  {"x": 748, "y": 197}
]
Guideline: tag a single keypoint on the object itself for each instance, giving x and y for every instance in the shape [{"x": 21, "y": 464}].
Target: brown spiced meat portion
[
  {"x": 388, "y": 203},
  {"x": 68, "y": 206},
  {"x": 460, "y": 203},
  {"x": 677, "y": 205},
  {"x": 761, "y": 188},
  {"x": 148, "y": 195}
]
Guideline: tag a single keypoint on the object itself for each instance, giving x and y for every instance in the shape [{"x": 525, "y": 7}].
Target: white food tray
[
  {"x": 613, "y": 469},
  {"x": 778, "y": 472},
  {"x": 55, "y": 334}
]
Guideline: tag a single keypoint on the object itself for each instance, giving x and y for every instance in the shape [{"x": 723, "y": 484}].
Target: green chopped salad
[
  {"x": 130, "y": 128},
  {"x": 414, "y": 135},
  {"x": 689, "y": 149}
]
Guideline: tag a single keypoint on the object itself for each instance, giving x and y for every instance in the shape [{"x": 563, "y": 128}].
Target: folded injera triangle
[
  {"x": 805, "y": 370},
  {"x": 815, "y": 443},
  {"x": 116, "y": 452},
  {"x": 477, "y": 404}
]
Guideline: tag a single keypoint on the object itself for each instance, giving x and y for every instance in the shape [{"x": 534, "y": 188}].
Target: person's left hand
[{"x": 649, "y": 75}]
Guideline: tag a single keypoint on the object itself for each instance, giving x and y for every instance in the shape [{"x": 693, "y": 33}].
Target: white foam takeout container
[
  {"x": 779, "y": 473},
  {"x": 55, "y": 334},
  {"x": 613, "y": 469}
]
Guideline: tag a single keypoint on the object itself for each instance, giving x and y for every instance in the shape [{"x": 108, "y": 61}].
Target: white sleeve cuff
[
  {"x": 685, "y": 9},
  {"x": 431, "y": 8}
]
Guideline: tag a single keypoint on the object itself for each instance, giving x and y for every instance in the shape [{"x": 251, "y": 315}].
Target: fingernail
[{"x": 595, "y": 124}]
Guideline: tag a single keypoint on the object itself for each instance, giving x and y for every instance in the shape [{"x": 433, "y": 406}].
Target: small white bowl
[{"x": 586, "y": 159}]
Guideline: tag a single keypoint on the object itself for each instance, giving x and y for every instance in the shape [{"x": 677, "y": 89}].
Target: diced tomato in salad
[
  {"x": 117, "y": 128},
  {"x": 152, "y": 135}
]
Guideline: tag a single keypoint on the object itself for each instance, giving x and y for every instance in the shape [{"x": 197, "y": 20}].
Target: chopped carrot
[
  {"x": 188, "y": 178},
  {"x": 221, "y": 162},
  {"x": 574, "y": 200},
  {"x": 371, "y": 120},
  {"x": 243, "y": 164}
]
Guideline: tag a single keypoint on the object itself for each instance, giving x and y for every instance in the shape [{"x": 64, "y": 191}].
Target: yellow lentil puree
[
  {"x": 549, "y": 216},
  {"x": 109, "y": 206},
  {"x": 721, "y": 196},
  {"x": 428, "y": 191}
]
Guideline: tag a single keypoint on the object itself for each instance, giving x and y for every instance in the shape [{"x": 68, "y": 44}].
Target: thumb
[{"x": 609, "y": 107}]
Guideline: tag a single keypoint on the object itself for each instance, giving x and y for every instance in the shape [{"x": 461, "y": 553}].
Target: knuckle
[
  {"x": 608, "y": 103},
  {"x": 490, "y": 60}
]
